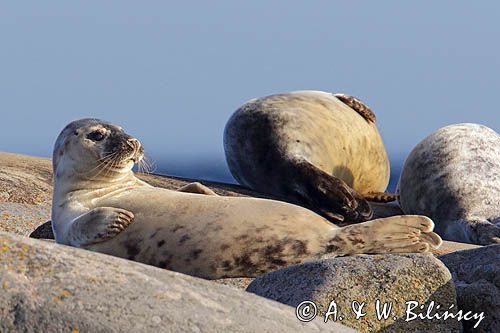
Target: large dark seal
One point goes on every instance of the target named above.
(100, 205)
(316, 149)
(453, 176)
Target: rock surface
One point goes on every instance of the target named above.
(476, 274)
(22, 219)
(388, 278)
(47, 287)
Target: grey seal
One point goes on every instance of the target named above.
(453, 176)
(316, 149)
(99, 205)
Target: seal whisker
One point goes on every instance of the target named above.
(146, 165)
(98, 167)
(107, 157)
(103, 167)
(102, 161)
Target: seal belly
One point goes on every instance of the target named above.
(212, 236)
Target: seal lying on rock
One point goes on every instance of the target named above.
(99, 204)
(453, 176)
(316, 149)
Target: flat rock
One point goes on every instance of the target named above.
(238, 283)
(25, 179)
(46, 287)
(476, 273)
(22, 218)
(393, 278)
(449, 247)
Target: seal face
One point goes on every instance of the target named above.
(453, 176)
(100, 205)
(312, 148)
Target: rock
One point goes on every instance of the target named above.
(21, 218)
(46, 287)
(25, 179)
(388, 278)
(449, 247)
(476, 274)
(238, 283)
(25, 192)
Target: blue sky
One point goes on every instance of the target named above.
(172, 73)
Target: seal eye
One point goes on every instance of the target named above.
(95, 136)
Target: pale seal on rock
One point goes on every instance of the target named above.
(99, 205)
(453, 176)
(316, 149)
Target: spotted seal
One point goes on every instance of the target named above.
(99, 205)
(453, 176)
(316, 149)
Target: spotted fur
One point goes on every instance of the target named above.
(453, 176)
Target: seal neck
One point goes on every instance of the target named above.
(67, 183)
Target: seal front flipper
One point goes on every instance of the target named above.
(381, 197)
(357, 106)
(327, 195)
(98, 225)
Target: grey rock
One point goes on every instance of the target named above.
(238, 283)
(476, 274)
(22, 218)
(46, 287)
(388, 278)
(25, 179)
(449, 247)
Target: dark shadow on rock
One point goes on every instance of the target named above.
(476, 273)
(402, 324)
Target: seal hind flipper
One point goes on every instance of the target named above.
(381, 197)
(357, 106)
(196, 188)
(327, 195)
(395, 234)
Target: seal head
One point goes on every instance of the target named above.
(86, 142)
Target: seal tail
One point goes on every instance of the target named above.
(327, 195)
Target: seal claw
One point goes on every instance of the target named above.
(358, 106)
